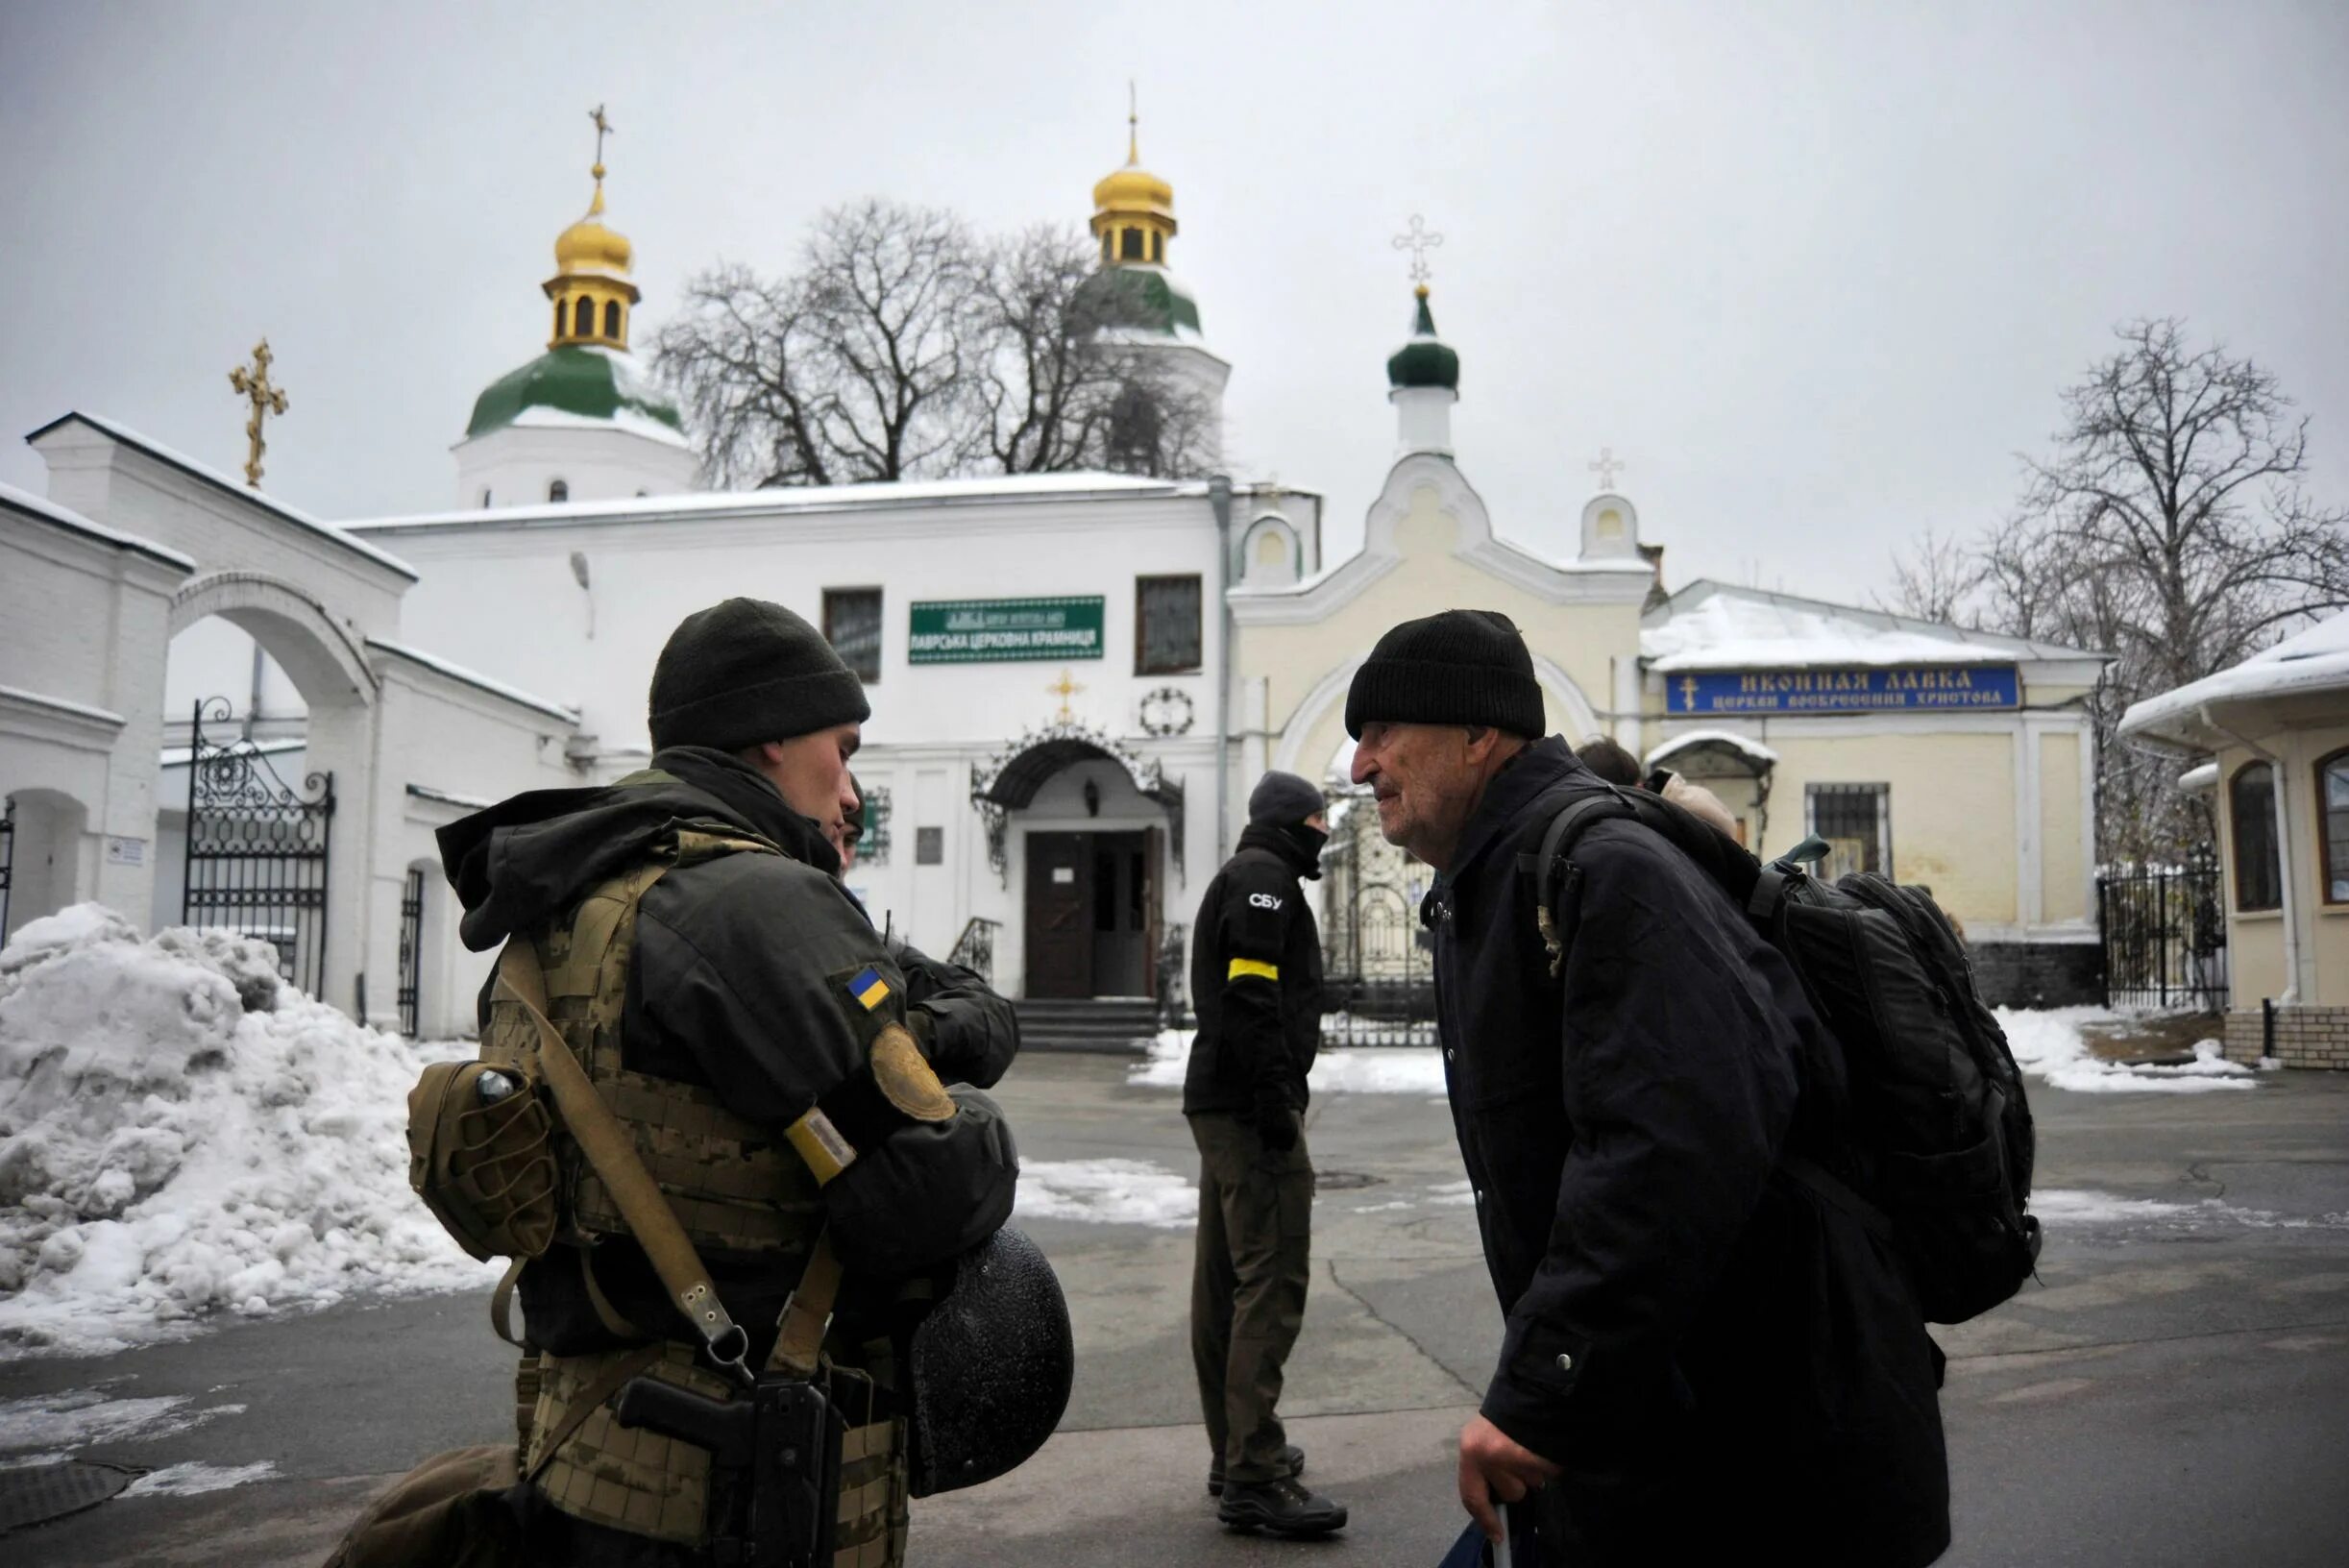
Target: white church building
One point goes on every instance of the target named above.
(1074, 678)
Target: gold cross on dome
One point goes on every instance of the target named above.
(603, 129)
(1607, 467)
(1419, 240)
(1064, 688)
(266, 399)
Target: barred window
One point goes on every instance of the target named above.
(2333, 824)
(852, 625)
(1165, 625)
(873, 849)
(2251, 801)
(1856, 820)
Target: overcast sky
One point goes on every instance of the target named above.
(1816, 273)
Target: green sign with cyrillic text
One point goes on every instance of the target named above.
(989, 630)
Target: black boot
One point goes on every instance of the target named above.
(1283, 1508)
(1292, 1461)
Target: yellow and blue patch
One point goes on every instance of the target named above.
(868, 987)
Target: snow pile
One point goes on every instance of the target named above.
(2048, 1045)
(1380, 1070)
(1106, 1192)
(181, 1132)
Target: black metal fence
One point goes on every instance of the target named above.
(975, 948)
(2165, 936)
(411, 950)
(1379, 967)
(8, 859)
(257, 848)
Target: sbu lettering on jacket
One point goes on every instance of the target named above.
(1264, 900)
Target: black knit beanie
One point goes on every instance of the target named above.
(745, 672)
(1280, 800)
(1462, 667)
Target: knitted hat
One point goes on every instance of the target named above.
(747, 672)
(1280, 800)
(1462, 667)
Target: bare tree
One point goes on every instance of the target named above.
(2169, 529)
(904, 347)
(1938, 581)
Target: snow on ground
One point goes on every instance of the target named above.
(81, 1418)
(2048, 1045)
(195, 1477)
(1106, 1192)
(2062, 1208)
(1378, 1069)
(183, 1135)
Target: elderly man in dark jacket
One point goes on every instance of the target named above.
(1701, 1361)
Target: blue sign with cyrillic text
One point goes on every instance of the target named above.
(1957, 688)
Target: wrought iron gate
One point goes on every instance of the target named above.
(412, 949)
(2165, 936)
(1379, 970)
(8, 859)
(257, 848)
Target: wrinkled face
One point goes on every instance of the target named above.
(811, 773)
(1426, 779)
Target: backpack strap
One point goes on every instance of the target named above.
(1550, 862)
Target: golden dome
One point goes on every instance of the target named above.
(1134, 189)
(1134, 208)
(587, 246)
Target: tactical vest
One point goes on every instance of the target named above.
(736, 1187)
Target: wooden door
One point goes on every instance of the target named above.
(1060, 916)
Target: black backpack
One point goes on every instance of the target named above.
(1939, 1129)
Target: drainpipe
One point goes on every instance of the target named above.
(2284, 853)
(1219, 498)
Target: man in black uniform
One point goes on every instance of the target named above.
(1256, 979)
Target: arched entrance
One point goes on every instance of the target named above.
(249, 832)
(44, 835)
(1096, 828)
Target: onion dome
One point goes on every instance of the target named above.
(1426, 361)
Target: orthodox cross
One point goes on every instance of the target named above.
(1607, 467)
(1134, 125)
(1064, 688)
(266, 399)
(1419, 241)
(603, 129)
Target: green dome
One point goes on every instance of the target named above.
(576, 383)
(1138, 297)
(1426, 361)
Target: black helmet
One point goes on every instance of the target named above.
(991, 1366)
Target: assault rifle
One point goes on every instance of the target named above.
(782, 1441)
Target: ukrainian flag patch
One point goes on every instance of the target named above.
(868, 987)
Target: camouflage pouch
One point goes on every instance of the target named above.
(482, 1156)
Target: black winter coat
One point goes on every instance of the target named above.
(1255, 981)
(1720, 1365)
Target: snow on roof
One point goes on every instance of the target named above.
(444, 797)
(2204, 777)
(2309, 661)
(220, 482)
(828, 498)
(1753, 749)
(64, 516)
(538, 416)
(1711, 625)
(473, 678)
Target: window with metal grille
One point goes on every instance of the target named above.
(1856, 820)
(411, 950)
(872, 850)
(2251, 801)
(929, 846)
(1165, 625)
(852, 625)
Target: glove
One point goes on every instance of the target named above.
(1276, 1123)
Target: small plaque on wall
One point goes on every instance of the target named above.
(929, 846)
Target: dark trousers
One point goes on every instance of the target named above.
(1247, 1303)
